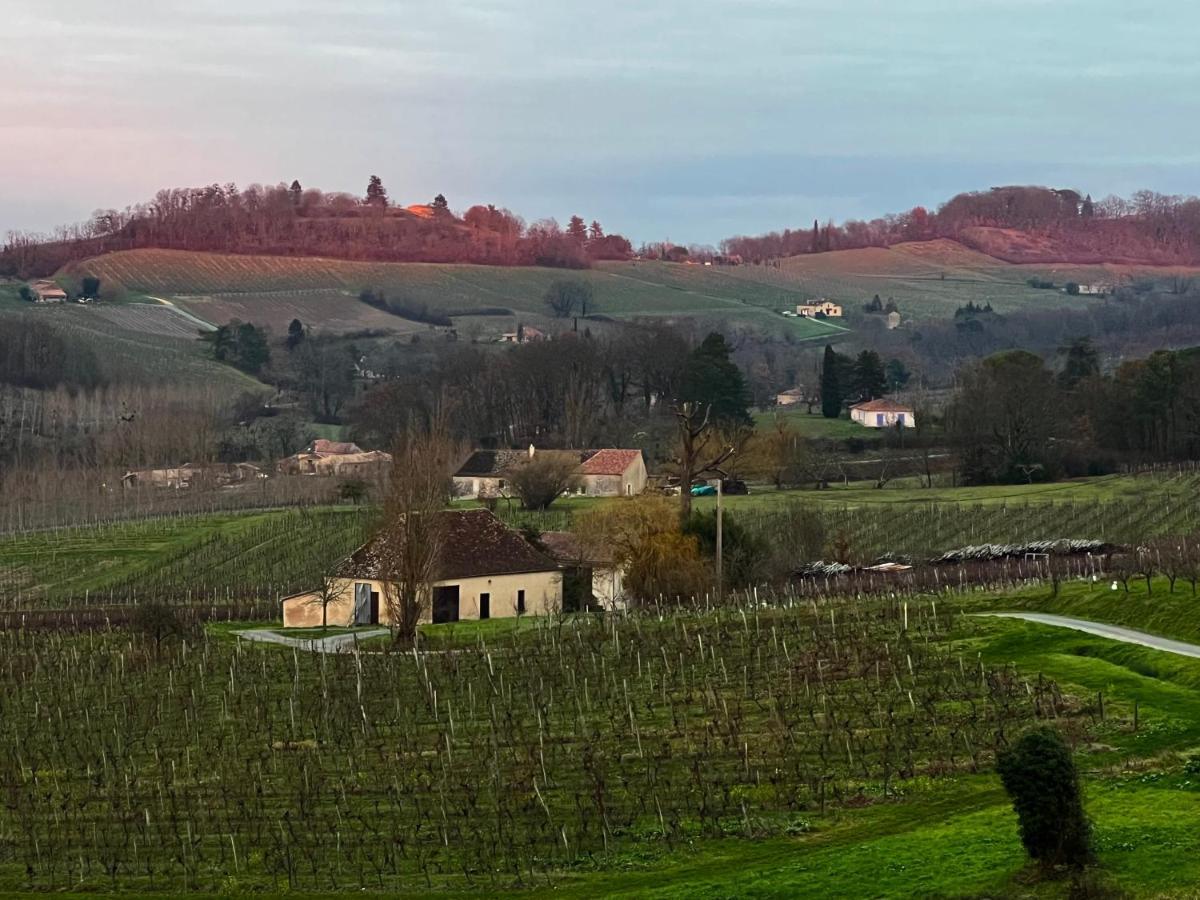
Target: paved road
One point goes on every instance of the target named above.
(335, 643)
(1114, 632)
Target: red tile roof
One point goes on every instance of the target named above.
(882, 406)
(321, 447)
(609, 462)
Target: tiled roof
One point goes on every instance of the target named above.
(474, 544)
(882, 406)
(569, 550)
(491, 462)
(609, 462)
(335, 448)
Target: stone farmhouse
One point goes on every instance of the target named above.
(485, 570)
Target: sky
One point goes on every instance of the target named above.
(664, 120)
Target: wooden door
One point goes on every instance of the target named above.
(445, 604)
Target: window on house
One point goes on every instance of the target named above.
(520, 602)
(879, 418)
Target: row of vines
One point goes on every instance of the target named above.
(221, 766)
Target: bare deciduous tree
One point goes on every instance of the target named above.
(409, 542)
(332, 591)
(701, 450)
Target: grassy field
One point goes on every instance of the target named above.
(324, 292)
(797, 419)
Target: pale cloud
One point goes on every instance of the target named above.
(693, 120)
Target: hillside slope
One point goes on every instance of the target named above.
(324, 292)
(931, 279)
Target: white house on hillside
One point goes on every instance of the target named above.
(883, 414)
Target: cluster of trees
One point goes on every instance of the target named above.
(242, 344)
(875, 306)
(851, 379)
(1147, 227)
(35, 355)
(1013, 419)
(577, 390)
(1134, 321)
(291, 220)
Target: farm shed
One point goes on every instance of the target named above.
(613, 473)
(47, 292)
(883, 414)
(592, 579)
(484, 570)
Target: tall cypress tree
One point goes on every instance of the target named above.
(832, 392)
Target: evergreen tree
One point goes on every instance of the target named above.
(897, 374)
(376, 193)
(577, 230)
(1083, 361)
(595, 232)
(891, 306)
(440, 202)
(816, 237)
(870, 380)
(297, 192)
(832, 392)
(712, 378)
(295, 333)
(253, 351)
(1039, 775)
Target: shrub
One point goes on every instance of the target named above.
(1039, 775)
(540, 480)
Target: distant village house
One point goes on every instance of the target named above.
(883, 414)
(602, 473)
(820, 307)
(525, 334)
(334, 458)
(45, 291)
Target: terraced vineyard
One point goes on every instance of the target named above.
(198, 281)
(139, 343)
(248, 561)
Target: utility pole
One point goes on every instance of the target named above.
(720, 542)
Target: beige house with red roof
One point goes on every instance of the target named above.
(613, 473)
(485, 570)
(883, 414)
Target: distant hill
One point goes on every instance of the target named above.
(291, 221)
(931, 279)
(1018, 224)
